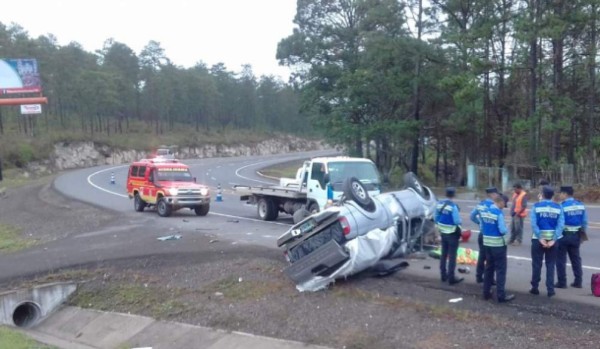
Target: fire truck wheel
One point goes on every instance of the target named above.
(138, 203)
(202, 210)
(163, 208)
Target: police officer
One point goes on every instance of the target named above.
(448, 221)
(575, 224)
(475, 216)
(547, 222)
(494, 230)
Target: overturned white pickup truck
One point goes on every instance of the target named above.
(359, 233)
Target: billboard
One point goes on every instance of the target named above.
(19, 76)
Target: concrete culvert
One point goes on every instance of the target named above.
(26, 314)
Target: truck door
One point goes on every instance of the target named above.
(316, 184)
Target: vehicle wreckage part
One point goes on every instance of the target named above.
(364, 252)
(332, 232)
(356, 191)
(324, 260)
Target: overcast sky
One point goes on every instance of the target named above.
(234, 32)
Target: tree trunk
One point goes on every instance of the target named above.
(414, 164)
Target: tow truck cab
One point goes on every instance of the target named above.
(166, 184)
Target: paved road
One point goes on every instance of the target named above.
(93, 186)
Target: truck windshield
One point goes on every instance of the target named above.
(364, 171)
(174, 174)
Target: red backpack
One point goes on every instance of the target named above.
(596, 284)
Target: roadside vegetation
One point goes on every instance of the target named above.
(12, 339)
(11, 239)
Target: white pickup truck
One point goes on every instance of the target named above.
(308, 191)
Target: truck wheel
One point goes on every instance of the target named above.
(138, 203)
(202, 210)
(299, 215)
(411, 181)
(356, 191)
(163, 208)
(313, 208)
(267, 211)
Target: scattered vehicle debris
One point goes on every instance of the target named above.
(358, 233)
(170, 237)
(455, 300)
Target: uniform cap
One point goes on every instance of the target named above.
(450, 192)
(548, 191)
(491, 190)
(517, 186)
(567, 189)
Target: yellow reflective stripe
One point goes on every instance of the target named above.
(547, 210)
(446, 228)
(547, 234)
(572, 227)
(494, 241)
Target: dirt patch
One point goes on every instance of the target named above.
(242, 288)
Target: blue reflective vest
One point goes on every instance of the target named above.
(482, 206)
(547, 220)
(493, 227)
(446, 216)
(575, 215)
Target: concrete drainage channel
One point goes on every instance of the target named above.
(28, 307)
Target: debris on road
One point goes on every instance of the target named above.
(464, 270)
(169, 237)
(213, 241)
(233, 221)
(455, 300)
(426, 267)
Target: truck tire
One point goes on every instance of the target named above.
(202, 210)
(163, 208)
(411, 181)
(313, 208)
(299, 215)
(267, 211)
(138, 203)
(356, 191)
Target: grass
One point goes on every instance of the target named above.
(11, 239)
(286, 169)
(11, 339)
(157, 302)
(234, 290)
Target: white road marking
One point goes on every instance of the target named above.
(518, 258)
(237, 172)
(248, 219)
(89, 180)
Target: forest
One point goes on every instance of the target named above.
(422, 85)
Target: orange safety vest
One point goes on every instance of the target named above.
(518, 204)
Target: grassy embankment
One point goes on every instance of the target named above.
(11, 339)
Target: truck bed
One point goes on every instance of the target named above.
(277, 191)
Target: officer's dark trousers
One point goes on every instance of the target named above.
(449, 248)
(495, 262)
(538, 255)
(480, 259)
(569, 244)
